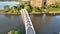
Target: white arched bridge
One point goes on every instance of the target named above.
(27, 21)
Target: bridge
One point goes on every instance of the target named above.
(27, 21)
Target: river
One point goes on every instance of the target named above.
(43, 24)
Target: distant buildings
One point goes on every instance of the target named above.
(41, 3)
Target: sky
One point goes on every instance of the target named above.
(13, 0)
(2, 4)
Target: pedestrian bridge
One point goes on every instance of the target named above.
(27, 21)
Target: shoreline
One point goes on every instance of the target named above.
(34, 13)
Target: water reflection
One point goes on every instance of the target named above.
(36, 20)
(10, 22)
(46, 24)
(43, 24)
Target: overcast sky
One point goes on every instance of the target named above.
(14, 0)
(2, 4)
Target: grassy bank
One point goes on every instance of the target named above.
(54, 8)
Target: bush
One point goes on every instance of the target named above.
(56, 5)
(27, 7)
(38, 10)
(34, 10)
(14, 9)
(11, 32)
(18, 32)
(15, 32)
(42, 10)
(6, 8)
(21, 6)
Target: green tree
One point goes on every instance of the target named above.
(6, 8)
(27, 6)
(11, 32)
(15, 32)
(18, 32)
(14, 9)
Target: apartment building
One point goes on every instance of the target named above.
(41, 3)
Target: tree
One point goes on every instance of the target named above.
(27, 6)
(15, 32)
(14, 9)
(18, 32)
(6, 8)
(11, 32)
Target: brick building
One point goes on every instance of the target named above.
(41, 3)
(36, 3)
(48, 2)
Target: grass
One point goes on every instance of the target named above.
(53, 10)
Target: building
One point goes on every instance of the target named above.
(41, 3)
(48, 2)
(36, 3)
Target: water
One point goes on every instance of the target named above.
(43, 24)
(10, 22)
(46, 24)
(12, 3)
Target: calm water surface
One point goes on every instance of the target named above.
(43, 24)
